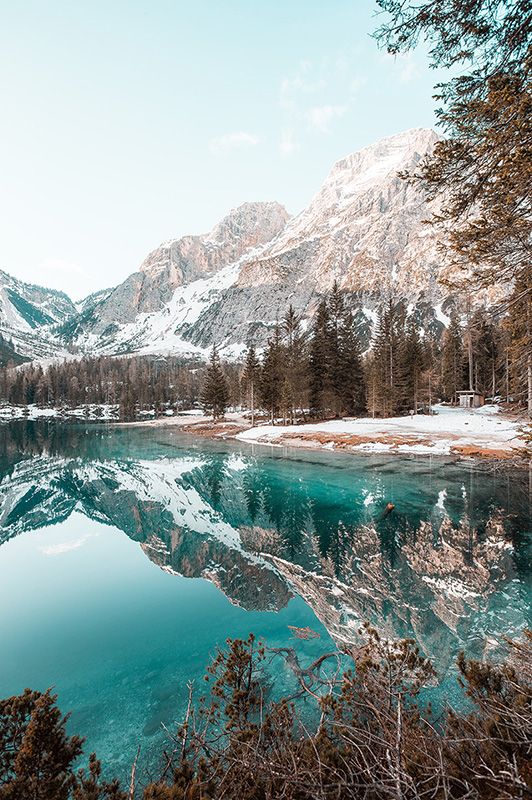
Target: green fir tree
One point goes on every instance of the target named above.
(272, 375)
(250, 379)
(215, 394)
(319, 367)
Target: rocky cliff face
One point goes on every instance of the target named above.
(144, 307)
(364, 229)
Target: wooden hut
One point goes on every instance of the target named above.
(469, 398)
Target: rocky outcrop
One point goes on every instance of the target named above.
(364, 229)
(178, 263)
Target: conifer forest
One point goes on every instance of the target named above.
(319, 373)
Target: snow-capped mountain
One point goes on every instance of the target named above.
(175, 283)
(28, 315)
(364, 228)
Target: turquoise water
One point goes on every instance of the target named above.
(128, 554)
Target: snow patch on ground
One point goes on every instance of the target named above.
(435, 434)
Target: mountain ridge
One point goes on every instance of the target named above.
(364, 228)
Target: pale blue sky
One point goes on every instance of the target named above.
(127, 123)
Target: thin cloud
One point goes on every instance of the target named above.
(291, 88)
(321, 117)
(357, 83)
(404, 68)
(316, 95)
(287, 145)
(233, 141)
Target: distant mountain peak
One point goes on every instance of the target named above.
(263, 218)
(390, 149)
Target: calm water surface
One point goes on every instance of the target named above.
(128, 554)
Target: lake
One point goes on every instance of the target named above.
(128, 554)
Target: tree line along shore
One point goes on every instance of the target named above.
(300, 375)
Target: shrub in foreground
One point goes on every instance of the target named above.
(355, 726)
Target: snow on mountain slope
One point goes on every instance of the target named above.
(364, 228)
(28, 314)
(122, 321)
(158, 332)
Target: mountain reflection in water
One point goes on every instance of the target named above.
(449, 566)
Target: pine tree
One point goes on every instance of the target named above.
(319, 368)
(486, 354)
(452, 359)
(272, 375)
(127, 404)
(250, 378)
(215, 393)
(432, 368)
(296, 360)
(413, 364)
(482, 170)
(286, 401)
(39, 761)
(520, 347)
(389, 362)
(336, 374)
(371, 375)
(351, 389)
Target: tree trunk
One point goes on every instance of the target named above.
(252, 407)
(469, 344)
(529, 363)
(470, 357)
(529, 383)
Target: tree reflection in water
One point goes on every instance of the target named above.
(451, 559)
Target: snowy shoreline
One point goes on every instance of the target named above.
(479, 433)
(482, 433)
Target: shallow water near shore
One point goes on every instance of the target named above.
(128, 554)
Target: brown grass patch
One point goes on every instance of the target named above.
(213, 429)
(343, 440)
(478, 451)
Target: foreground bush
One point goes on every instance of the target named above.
(371, 735)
